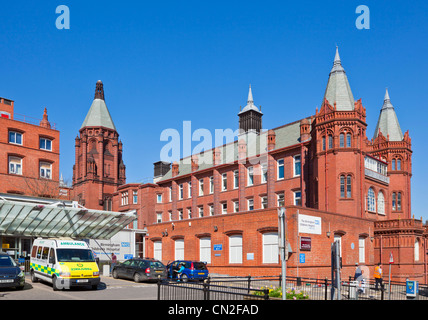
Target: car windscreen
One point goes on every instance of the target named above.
(199, 266)
(6, 261)
(74, 255)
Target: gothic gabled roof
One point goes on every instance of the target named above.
(98, 115)
(388, 121)
(338, 90)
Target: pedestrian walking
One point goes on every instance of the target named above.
(378, 276)
(113, 261)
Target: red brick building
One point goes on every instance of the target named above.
(220, 206)
(29, 154)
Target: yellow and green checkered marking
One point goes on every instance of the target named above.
(47, 270)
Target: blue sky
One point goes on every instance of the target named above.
(166, 62)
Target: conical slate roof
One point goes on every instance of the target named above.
(338, 90)
(388, 121)
(98, 115)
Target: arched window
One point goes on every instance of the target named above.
(323, 143)
(348, 140)
(393, 164)
(330, 141)
(348, 187)
(380, 203)
(342, 186)
(371, 200)
(342, 140)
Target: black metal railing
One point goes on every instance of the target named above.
(267, 287)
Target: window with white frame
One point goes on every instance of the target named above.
(381, 203)
(235, 248)
(224, 184)
(280, 169)
(264, 201)
(189, 213)
(417, 249)
(362, 249)
(236, 206)
(224, 208)
(159, 198)
(45, 144)
(338, 237)
(250, 204)
(46, 170)
(211, 206)
(201, 187)
(236, 179)
(371, 200)
(297, 165)
(211, 184)
(170, 194)
(15, 165)
(205, 249)
(297, 198)
(280, 199)
(159, 217)
(270, 247)
(157, 250)
(124, 198)
(170, 215)
(179, 249)
(134, 196)
(201, 212)
(264, 172)
(180, 192)
(180, 214)
(189, 189)
(250, 176)
(15, 137)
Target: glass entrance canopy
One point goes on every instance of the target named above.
(22, 216)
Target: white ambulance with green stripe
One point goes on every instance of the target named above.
(64, 263)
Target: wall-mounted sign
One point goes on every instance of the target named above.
(309, 224)
(218, 247)
(305, 244)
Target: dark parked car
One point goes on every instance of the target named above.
(193, 270)
(140, 269)
(10, 274)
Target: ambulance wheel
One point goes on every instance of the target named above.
(54, 284)
(33, 277)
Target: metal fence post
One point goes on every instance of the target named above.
(266, 291)
(249, 283)
(326, 289)
(159, 285)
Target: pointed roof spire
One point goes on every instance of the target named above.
(250, 96)
(338, 90)
(388, 121)
(250, 103)
(98, 115)
(45, 122)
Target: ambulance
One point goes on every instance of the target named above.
(64, 263)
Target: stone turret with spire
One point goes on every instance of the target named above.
(99, 169)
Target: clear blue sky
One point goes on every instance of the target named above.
(166, 62)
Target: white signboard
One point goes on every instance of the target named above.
(122, 244)
(309, 224)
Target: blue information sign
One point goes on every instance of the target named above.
(218, 247)
(302, 258)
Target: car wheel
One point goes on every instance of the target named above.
(184, 278)
(33, 277)
(114, 274)
(137, 277)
